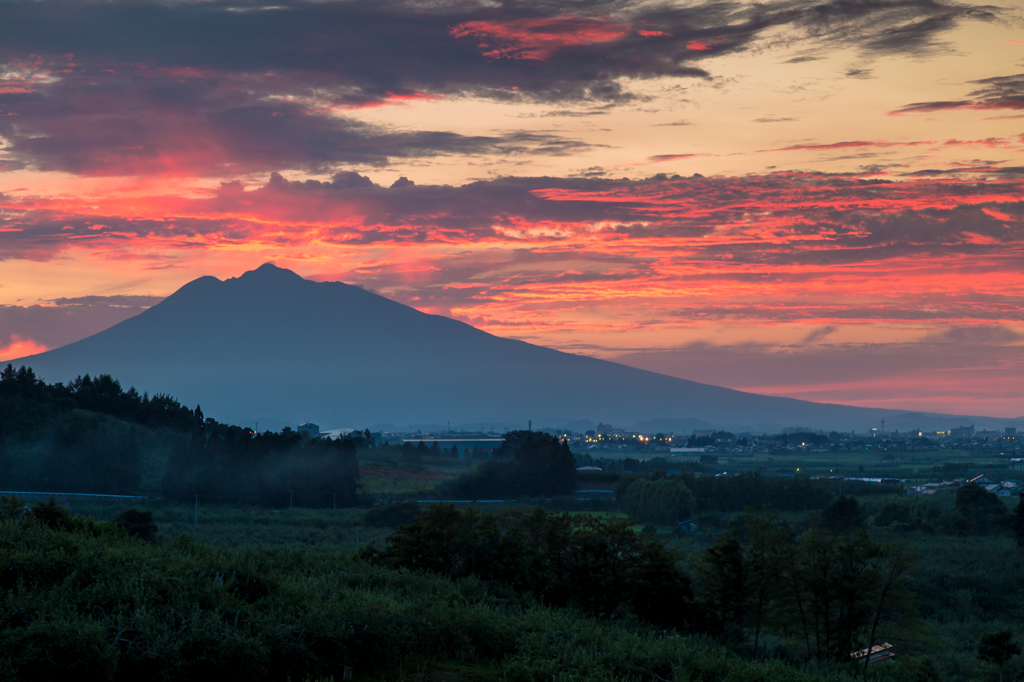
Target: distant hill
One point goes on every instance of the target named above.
(272, 345)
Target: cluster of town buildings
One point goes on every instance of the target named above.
(963, 438)
(1010, 487)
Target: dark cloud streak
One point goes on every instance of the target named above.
(194, 88)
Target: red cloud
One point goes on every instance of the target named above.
(19, 348)
(538, 39)
(660, 253)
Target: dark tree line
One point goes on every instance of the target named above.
(528, 463)
(85, 437)
(79, 437)
(751, 489)
(271, 469)
(976, 511)
(29, 404)
(659, 498)
(834, 593)
(602, 568)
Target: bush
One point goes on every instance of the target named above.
(392, 515)
(138, 524)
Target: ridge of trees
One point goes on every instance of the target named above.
(27, 403)
(85, 437)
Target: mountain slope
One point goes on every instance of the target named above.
(271, 344)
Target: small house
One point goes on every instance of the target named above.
(875, 654)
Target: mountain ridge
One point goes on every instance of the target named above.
(270, 343)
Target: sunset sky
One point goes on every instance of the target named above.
(818, 199)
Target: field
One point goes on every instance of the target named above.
(916, 466)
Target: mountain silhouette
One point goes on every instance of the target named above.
(272, 345)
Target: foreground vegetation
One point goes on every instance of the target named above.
(81, 599)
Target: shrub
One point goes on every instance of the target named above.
(138, 524)
(392, 515)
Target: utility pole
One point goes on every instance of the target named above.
(335, 496)
(357, 538)
(196, 517)
(290, 498)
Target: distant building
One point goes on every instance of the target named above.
(934, 488)
(309, 430)
(962, 431)
(1004, 489)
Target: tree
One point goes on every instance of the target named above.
(528, 463)
(893, 604)
(1018, 523)
(769, 539)
(723, 586)
(655, 498)
(998, 648)
(983, 511)
(842, 515)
